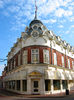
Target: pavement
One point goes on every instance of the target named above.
(7, 94)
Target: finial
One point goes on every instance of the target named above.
(35, 10)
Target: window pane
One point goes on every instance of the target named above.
(56, 84)
(64, 84)
(18, 59)
(46, 56)
(55, 59)
(63, 61)
(25, 54)
(35, 56)
(47, 85)
(18, 84)
(24, 85)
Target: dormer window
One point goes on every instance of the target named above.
(35, 27)
(59, 38)
(64, 42)
(51, 33)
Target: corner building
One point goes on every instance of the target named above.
(39, 62)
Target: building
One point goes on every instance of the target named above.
(39, 62)
(0, 81)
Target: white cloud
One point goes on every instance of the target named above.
(72, 18)
(14, 9)
(53, 20)
(72, 26)
(60, 26)
(26, 9)
(67, 32)
(61, 12)
(49, 21)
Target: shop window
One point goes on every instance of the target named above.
(47, 85)
(18, 84)
(24, 85)
(64, 84)
(46, 56)
(13, 84)
(56, 84)
(55, 59)
(35, 56)
(25, 55)
(10, 84)
(63, 61)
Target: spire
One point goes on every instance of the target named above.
(35, 10)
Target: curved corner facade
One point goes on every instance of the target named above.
(39, 63)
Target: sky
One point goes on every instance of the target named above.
(15, 15)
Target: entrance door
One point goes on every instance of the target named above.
(35, 86)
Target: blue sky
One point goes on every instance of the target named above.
(57, 15)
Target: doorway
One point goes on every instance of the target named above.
(35, 86)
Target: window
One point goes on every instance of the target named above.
(35, 56)
(69, 63)
(13, 84)
(10, 84)
(14, 62)
(18, 59)
(64, 84)
(11, 65)
(25, 55)
(18, 84)
(56, 84)
(46, 56)
(24, 85)
(47, 85)
(63, 61)
(73, 64)
(55, 59)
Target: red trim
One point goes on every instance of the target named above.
(59, 56)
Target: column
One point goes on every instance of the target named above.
(42, 86)
(51, 86)
(29, 86)
(21, 86)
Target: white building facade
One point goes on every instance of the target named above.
(40, 62)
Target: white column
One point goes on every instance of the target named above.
(29, 86)
(51, 86)
(42, 86)
(21, 86)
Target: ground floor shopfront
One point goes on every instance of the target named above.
(35, 83)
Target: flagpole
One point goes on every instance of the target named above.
(35, 10)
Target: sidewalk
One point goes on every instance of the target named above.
(58, 95)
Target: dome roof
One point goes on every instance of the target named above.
(35, 22)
